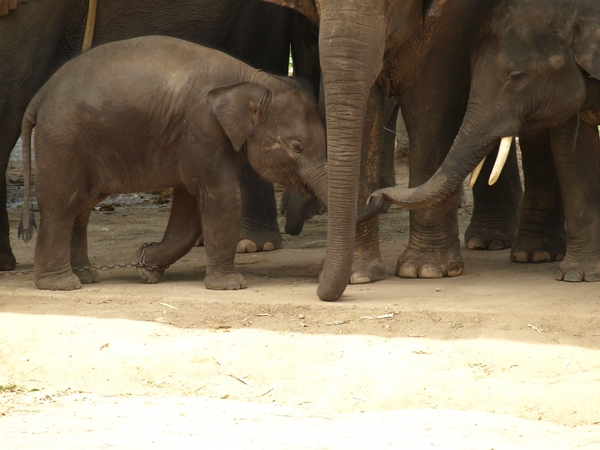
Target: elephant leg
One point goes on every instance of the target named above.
(542, 235)
(52, 256)
(387, 172)
(433, 249)
(495, 219)
(576, 149)
(367, 265)
(79, 249)
(221, 215)
(182, 232)
(259, 230)
(7, 258)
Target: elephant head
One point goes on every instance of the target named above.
(353, 38)
(533, 68)
(279, 129)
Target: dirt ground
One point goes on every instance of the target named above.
(501, 357)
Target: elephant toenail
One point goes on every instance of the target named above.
(357, 278)
(496, 245)
(430, 271)
(475, 244)
(540, 257)
(573, 277)
(455, 269)
(407, 270)
(592, 276)
(521, 256)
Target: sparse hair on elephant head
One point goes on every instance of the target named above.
(240, 108)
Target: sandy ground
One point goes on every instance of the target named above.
(501, 357)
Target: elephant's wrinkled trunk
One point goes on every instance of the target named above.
(296, 212)
(317, 179)
(351, 45)
(470, 147)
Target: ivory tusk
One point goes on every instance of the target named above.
(475, 173)
(501, 159)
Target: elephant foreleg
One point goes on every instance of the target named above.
(367, 265)
(496, 208)
(221, 215)
(576, 149)
(542, 235)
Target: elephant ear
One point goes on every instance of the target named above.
(307, 8)
(586, 44)
(240, 109)
(433, 8)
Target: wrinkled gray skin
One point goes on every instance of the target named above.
(536, 73)
(39, 36)
(157, 112)
(419, 51)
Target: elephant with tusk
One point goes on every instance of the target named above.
(536, 74)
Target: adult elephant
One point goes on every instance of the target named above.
(39, 36)
(544, 81)
(419, 51)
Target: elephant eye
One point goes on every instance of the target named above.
(516, 75)
(297, 146)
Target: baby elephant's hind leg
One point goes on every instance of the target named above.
(51, 260)
(79, 250)
(182, 232)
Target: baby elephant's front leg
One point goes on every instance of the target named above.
(221, 225)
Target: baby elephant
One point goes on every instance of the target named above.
(152, 113)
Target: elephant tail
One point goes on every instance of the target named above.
(27, 224)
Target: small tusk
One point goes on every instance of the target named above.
(475, 173)
(501, 159)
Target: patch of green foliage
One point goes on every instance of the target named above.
(10, 388)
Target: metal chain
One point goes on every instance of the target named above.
(140, 263)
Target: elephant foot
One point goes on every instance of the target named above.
(7, 260)
(538, 249)
(150, 276)
(87, 276)
(147, 272)
(57, 281)
(483, 236)
(418, 264)
(366, 271)
(577, 271)
(255, 241)
(231, 281)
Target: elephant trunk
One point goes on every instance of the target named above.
(351, 45)
(296, 212)
(468, 151)
(317, 179)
